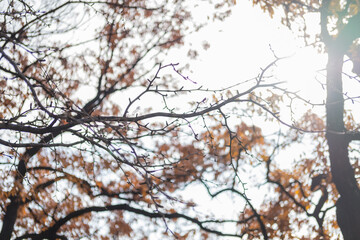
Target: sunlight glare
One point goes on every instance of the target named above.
(302, 72)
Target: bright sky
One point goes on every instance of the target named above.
(239, 48)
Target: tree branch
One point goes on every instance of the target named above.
(52, 231)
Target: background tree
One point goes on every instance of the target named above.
(339, 34)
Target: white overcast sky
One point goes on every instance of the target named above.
(239, 47)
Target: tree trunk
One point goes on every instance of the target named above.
(9, 219)
(348, 205)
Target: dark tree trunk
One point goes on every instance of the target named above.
(348, 206)
(9, 219)
(11, 210)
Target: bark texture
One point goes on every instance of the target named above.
(348, 205)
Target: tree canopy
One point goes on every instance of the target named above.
(102, 138)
